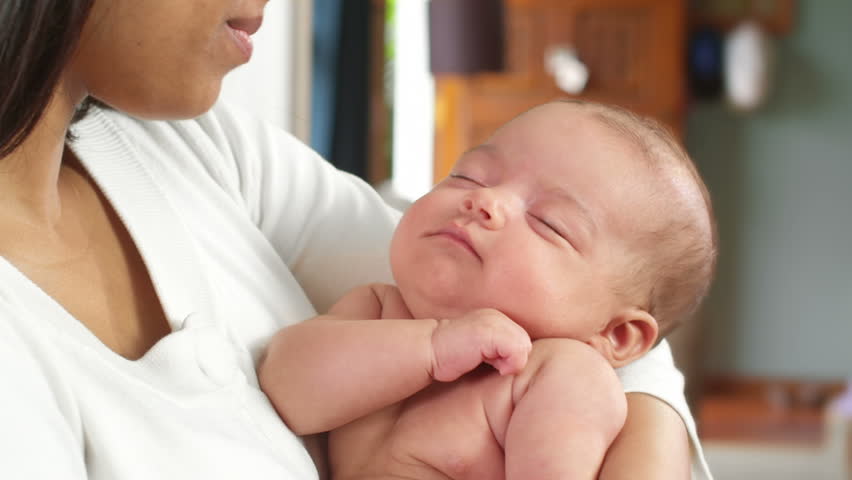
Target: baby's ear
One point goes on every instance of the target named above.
(626, 337)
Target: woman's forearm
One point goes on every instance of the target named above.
(653, 443)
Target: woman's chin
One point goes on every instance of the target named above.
(165, 107)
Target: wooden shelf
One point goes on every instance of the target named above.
(777, 16)
(761, 410)
(634, 50)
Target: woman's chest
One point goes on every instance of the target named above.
(97, 275)
(114, 301)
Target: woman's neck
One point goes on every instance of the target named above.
(30, 175)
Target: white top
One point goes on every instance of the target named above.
(243, 230)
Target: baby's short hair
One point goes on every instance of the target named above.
(673, 261)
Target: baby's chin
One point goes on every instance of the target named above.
(438, 288)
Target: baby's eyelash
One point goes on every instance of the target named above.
(549, 225)
(559, 233)
(463, 177)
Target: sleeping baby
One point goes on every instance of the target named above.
(563, 247)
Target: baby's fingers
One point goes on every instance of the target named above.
(512, 357)
(507, 366)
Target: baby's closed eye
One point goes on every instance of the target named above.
(461, 178)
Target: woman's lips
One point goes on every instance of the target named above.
(241, 30)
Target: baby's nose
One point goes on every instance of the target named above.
(485, 207)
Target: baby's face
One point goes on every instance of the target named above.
(529, 223)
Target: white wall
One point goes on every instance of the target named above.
(414, 99)
(275, 84)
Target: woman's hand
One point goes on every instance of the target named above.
(653, 443)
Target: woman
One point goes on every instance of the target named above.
(145, 262)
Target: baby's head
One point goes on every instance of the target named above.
(674, 249)
(576, 220)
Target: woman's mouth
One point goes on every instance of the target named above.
(241, 30)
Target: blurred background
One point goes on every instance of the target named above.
(760, 93)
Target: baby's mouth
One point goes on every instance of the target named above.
(460, 237)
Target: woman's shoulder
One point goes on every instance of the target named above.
(655, 374)
(656, 366)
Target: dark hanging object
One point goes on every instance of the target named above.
(465, 36)
(705, 63)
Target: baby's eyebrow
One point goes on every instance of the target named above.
(486, 149)
(485, 159)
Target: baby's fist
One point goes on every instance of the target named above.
(460, 344)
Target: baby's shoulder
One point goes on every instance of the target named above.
(371, 301)
(393, 305)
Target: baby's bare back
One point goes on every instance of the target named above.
(447, 431)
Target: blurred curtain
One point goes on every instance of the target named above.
(340, 85)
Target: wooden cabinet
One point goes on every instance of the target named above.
(634, 50)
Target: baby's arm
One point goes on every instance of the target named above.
(329, 370)
(569, 407)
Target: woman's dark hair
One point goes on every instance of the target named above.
(37, 39)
